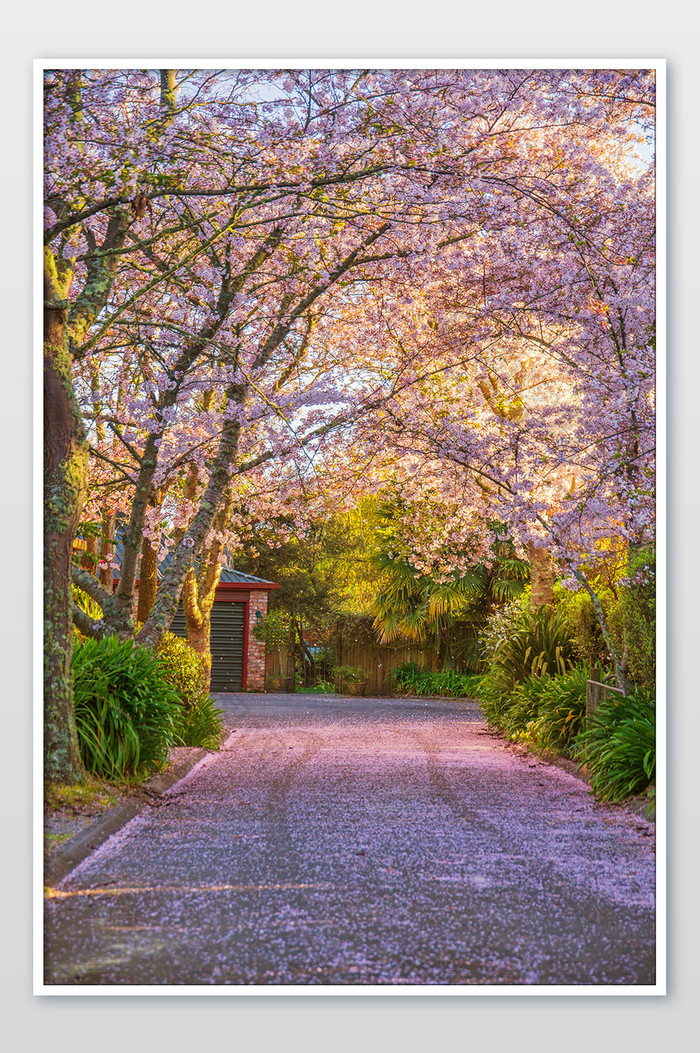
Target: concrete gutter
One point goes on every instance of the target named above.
(80, 845)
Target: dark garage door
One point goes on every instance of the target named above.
(227, 628)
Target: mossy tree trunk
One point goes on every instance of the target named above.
(148, 580)
(65, 473)
(199, 590)
(148, 568)
(65, 481)
(184, 555)
(67, 324)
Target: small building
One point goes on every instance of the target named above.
(237, 658)
(240, 600)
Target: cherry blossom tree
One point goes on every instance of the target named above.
(541, 402)
(232, 261)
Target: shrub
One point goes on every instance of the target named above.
(319, 687)
(182, 668)
(198, 723)
(448, 682)
(562, 711)
(584, 627)
(408, 676)
(521, 648)
(619, 746)
(636, 620)
(494, 693)
(126, 713)
(630, 610)
(537, 644)
(546, 712)
(348, 674)
(519, 707)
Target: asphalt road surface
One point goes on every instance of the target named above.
(340, 841)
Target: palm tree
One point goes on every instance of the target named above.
(448, 613)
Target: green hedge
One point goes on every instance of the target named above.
(125, 711)
(448, 682)
(619, 747)
(199, 722)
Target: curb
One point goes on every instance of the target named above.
(638, 805)
(79, 847)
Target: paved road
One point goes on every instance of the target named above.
(340, 841)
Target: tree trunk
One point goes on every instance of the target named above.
(199, 591)
(308, 664)
(197, 610)
(109, 524)
(65, 474)
(148, 580)
(148, 568)
(184, 555)
(541, 576)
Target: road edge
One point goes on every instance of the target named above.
(64, 859)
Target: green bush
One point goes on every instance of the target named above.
(407, 676)
(199, 722)
(547, 712)
(514, 709)
(126, 713)
(494, 693)
(538, 644)
(583, 626)
(630, 611)
(319, 687)
(562, 711)
(532, 690)
(348, 674)
(619, 746)
(182, 668)
(634, 627)
(448, 682)
(554, 711)
(520, 648)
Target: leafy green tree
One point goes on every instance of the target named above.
(427, 608)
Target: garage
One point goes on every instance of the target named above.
(240, 602)
(237, 658)
(228, 643)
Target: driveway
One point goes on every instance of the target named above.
(343, 841)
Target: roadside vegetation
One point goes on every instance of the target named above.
(533, 690)
(132, 704)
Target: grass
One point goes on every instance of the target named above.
(52, 841)
(88, 796)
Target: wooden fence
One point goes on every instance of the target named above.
(375, 661)
(596, 691)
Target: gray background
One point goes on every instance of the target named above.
(328, 1024)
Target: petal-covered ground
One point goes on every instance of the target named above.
(344, 841)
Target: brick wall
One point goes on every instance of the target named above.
(256, 648)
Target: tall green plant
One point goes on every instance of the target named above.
(182, 668)
(126, 713)
(198, 722)
(619, 746)
(522, 643)
(449, 683)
